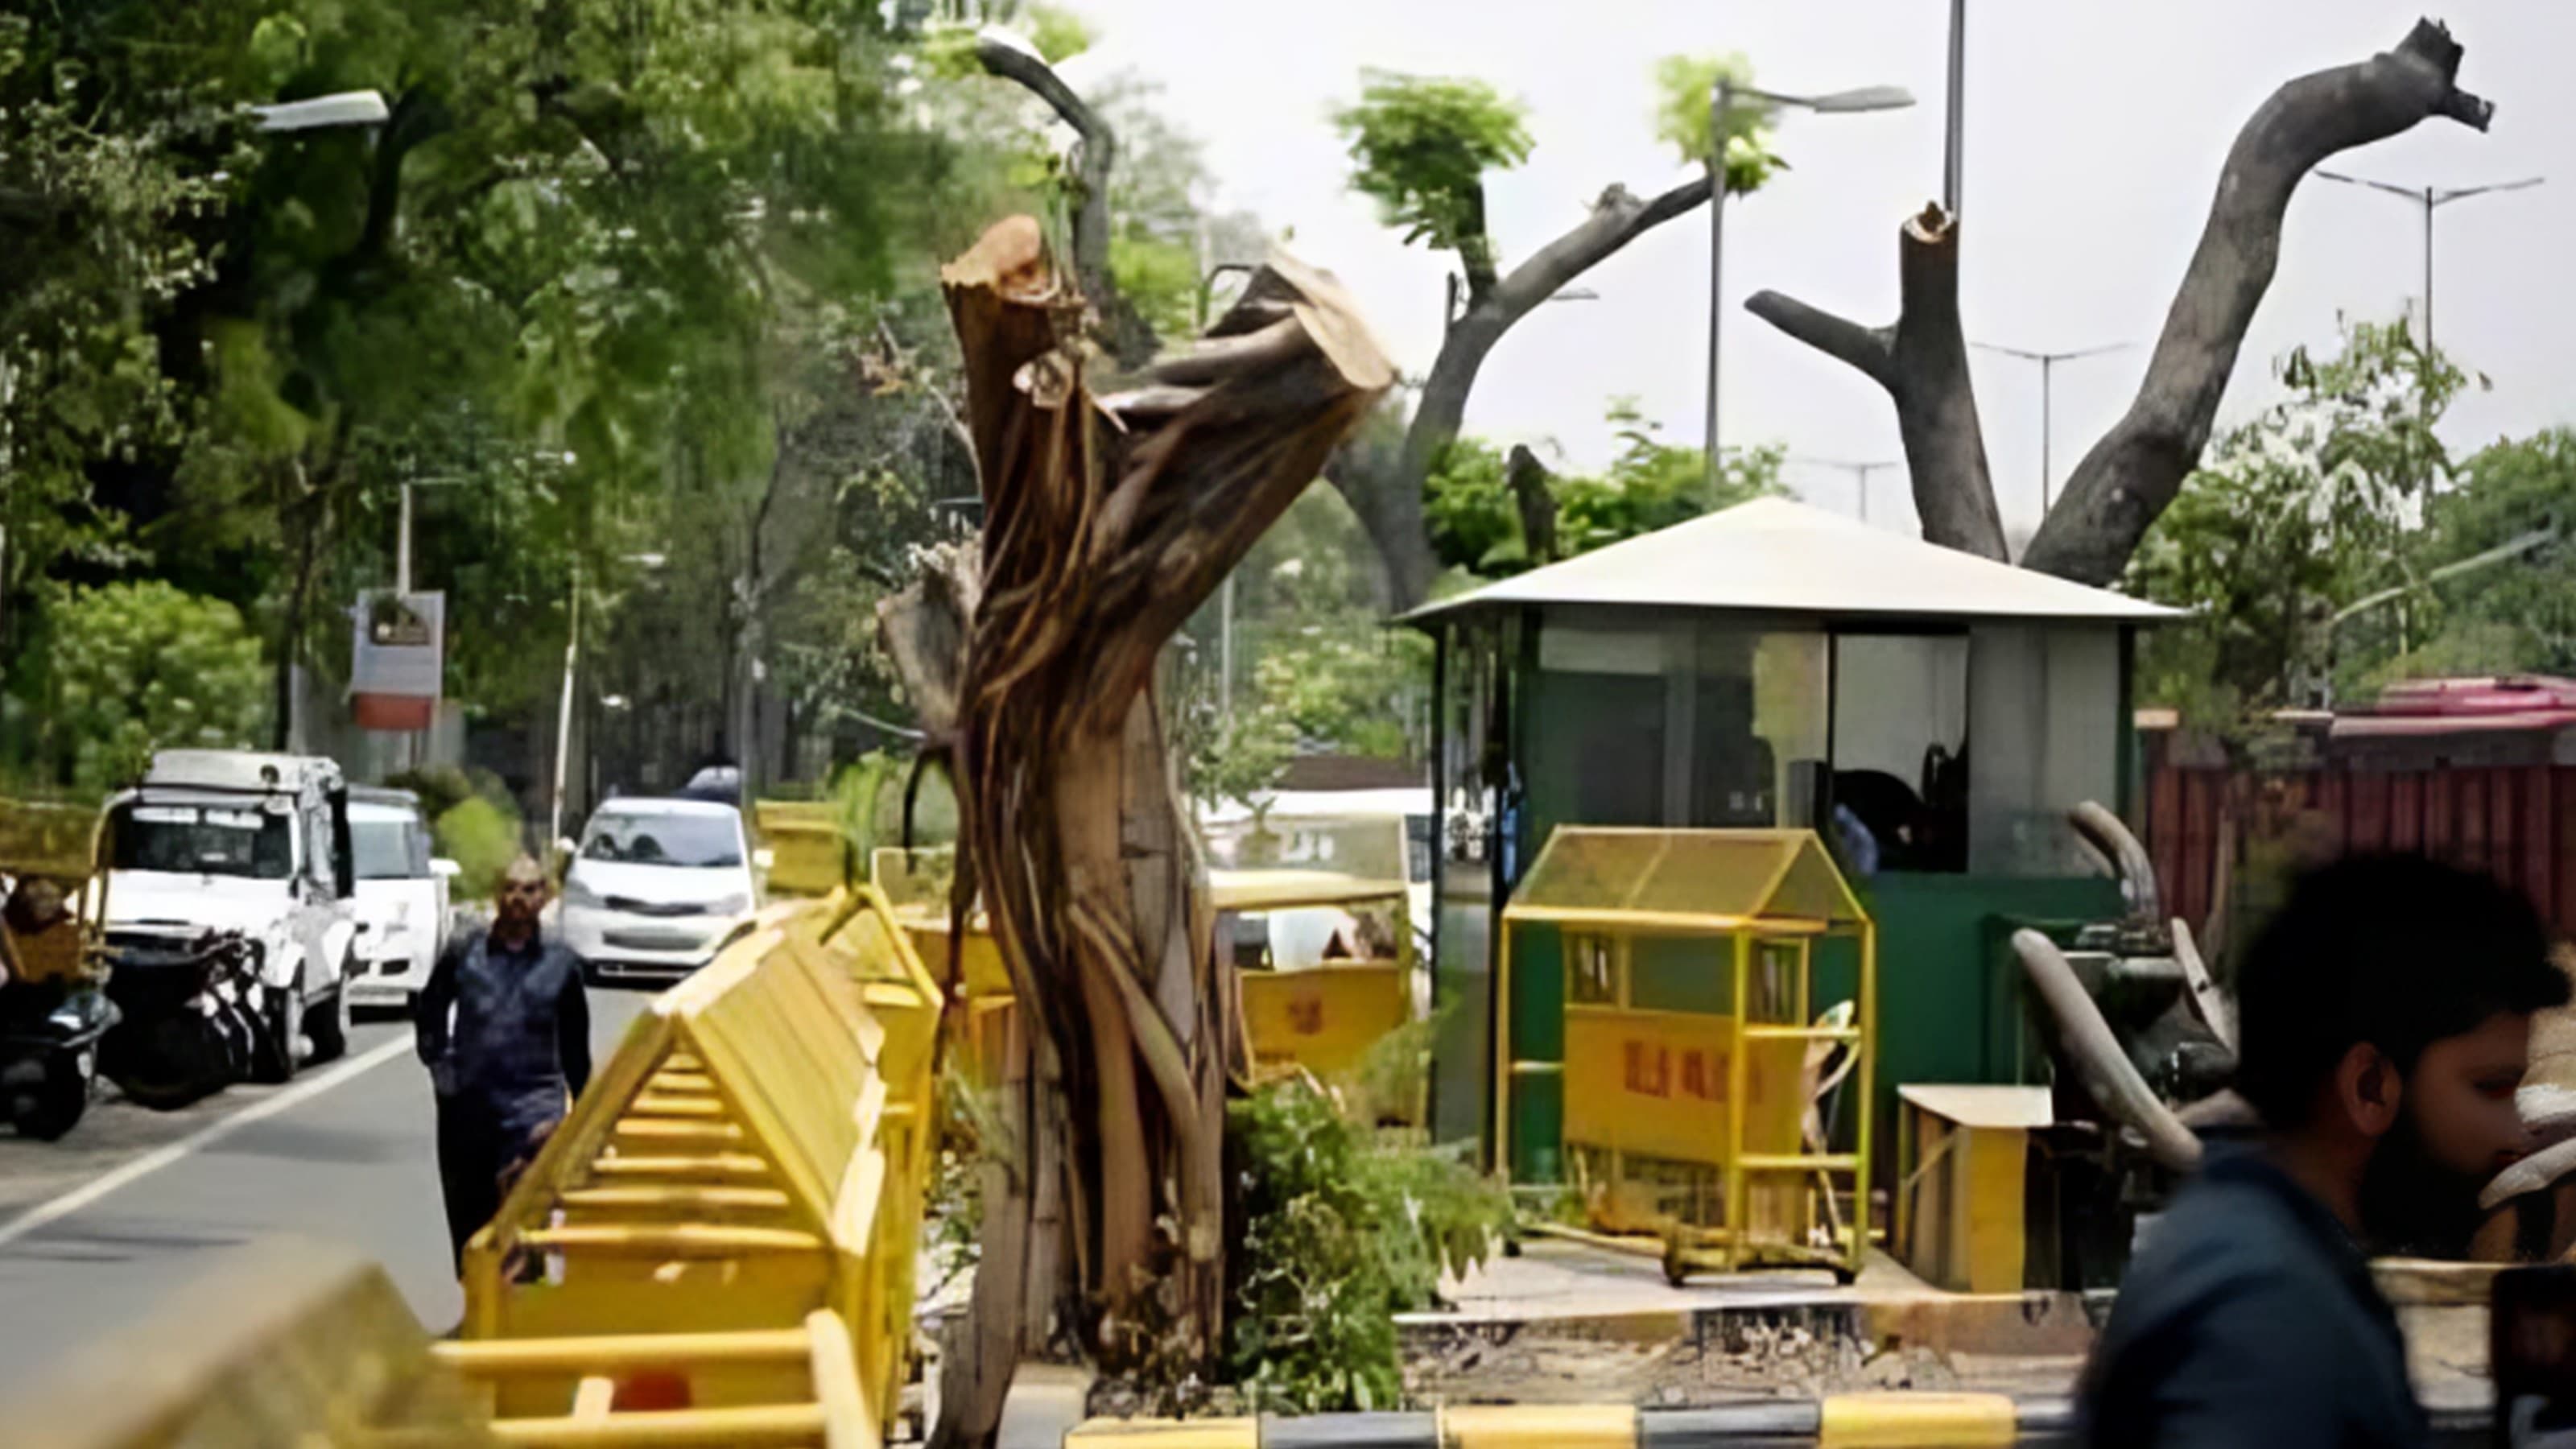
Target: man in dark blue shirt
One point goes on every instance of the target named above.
(515, 1054)
(2385, 1022)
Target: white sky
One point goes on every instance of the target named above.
(2094, 137)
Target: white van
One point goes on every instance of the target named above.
(657, 887)
(233, 840)
(402, 896)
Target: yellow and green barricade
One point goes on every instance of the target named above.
(808, 855)
(754, 1152)
(1678, 973)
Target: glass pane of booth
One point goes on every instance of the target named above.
(1900, 750)
(2043, 712)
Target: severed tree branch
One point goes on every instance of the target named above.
(2134, 471)
(1922, 361)
(1124, 332)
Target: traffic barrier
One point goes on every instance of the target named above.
(677, 1388)
(808, 855)
(1844, 1421)
(756, 1150)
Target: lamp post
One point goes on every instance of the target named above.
(2431, 199)
(331, 112)
(1722, 99)
(1860, 475)
(2047, 391)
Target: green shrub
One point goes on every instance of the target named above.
(140, 667)
(1343, 1227)
(482, 838)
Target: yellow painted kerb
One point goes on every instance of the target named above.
(1915, 1421)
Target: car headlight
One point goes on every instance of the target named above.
(578, 893)
(733, 905)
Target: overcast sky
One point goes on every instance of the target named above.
(2094, 137)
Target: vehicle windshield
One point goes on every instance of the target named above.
(388, 849)
(235, 840)
(637, 838)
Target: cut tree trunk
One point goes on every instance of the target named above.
(1922, 361)
(1107, 521)
(2133, 472)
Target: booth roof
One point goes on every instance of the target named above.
(1777, 556)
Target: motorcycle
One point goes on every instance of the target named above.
(188, 1020)
(54, 1010)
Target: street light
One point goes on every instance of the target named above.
(2431, 199)
(2047, 390)
(1722, 98)
(1860, 474)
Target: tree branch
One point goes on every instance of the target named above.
(1384, 485)
(1124, 332)
(2134, 471)
(1922, 361)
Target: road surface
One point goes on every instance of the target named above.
(99, 1228)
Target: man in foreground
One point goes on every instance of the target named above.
(2385, 1021)
(516, 1053)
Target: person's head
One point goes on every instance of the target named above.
(522, 895)
(2385, 1011)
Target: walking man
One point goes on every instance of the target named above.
(504, 1027)
(2385, 1015)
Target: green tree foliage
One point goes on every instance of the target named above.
(1420, 147)
(2498, 577)
(2298, 513)
(1317, 669)
(1683, 84)
(1476, 523)
(1343, 1228)
(138, 667)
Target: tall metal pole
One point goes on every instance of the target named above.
(2430, 202)
(563, 716)
(2047, 432)
(1953, 152)
(407, 750)
(1720, 101)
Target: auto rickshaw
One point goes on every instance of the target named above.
(53, 970)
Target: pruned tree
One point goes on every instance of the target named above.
(1422, 147)
(1107, 521)
(2128, 477)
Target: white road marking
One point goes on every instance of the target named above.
(161, 1157)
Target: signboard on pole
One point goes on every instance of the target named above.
(398, 658)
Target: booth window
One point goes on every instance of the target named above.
(1591, 970)
(1900, 787)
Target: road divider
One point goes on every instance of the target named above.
(753, 1153)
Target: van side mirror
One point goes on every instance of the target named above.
(445, 869)
(764, 858)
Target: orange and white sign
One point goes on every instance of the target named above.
(397, 663)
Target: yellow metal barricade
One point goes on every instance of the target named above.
(753, 1152)
(808, 855)
(1695, 1050)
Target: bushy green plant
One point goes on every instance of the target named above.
(144, 666)
(1343, 1227)
(482, 838)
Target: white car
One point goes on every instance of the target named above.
(402, 897)
(657, 887)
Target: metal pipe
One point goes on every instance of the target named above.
(2104, 1069)
(2111, 836)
